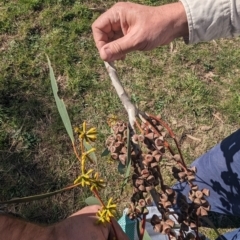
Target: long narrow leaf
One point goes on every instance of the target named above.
(60, 104)
(39, 196)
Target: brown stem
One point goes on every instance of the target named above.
(139, 127)
(103, 205)
(171, 134)
(143, 223)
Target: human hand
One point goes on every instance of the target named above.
(82, 225)
(128, 26)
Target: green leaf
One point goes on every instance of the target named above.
(92, 155)
(128, 162)
(60, 104)
(39, 196)
(92, 201)
(105, 152)
(121, 168)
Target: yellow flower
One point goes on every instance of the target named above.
(88, 135)
(107, 212)
(84, 179)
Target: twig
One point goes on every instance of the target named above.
(129, 106)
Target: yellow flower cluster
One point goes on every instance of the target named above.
(107, 212)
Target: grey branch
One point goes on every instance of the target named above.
(129, 106)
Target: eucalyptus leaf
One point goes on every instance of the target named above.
(92, 201)
(88, 146)
(105, 152)
(60, 104)
(121, 168)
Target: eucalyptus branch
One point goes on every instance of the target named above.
(129, 106)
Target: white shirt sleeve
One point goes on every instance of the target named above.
(212, 19)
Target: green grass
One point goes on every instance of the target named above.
(188, 85)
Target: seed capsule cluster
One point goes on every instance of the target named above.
(116, 143)
(147, 150)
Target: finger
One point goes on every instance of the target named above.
(105, 27)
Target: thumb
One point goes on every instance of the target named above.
(117, 49)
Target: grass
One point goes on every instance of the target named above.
(190, 86)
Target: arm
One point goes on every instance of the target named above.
(12, 228)
(212, 19)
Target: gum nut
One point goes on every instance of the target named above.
(135, 138)
(193, 225)
(150, 136)
(165, 228)
(144, 173)
(177, 157)
(191, 198)
(114, 156)
(199, 194)
(118, 145)
(203, 211)
(154, 122)
(194, 187)
(148, 158)
(141, 138)
(150, 178)
(170, 223)
(142, 203)
(154, 164)
(138, 209)
(139, 182)
(124, 150)
(158, 142)
(119, 137)
(155, 219)
(157, 228)
(115, 129)
(193, 169)
(113, 149)
(145, 163)
(158, 157)
(169, 191)
(142, 188)
(155, 152)
(192, 193)
(149, 188)
(163, 197)
(191, 178)
(206, 192)
(182, 175)
(197, 201)
(167, 204)
(123, 158)
(149, 201)
(145, 211)
(121, 129)
(135, 190)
